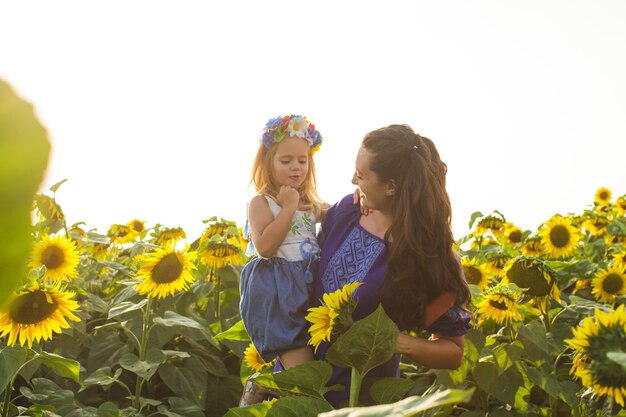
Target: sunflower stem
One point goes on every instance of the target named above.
(7, 399)
(545, 315)
(145, 334)
(218, 285)
(355, 387)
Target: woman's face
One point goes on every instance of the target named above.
(374, 193)
(290, 164)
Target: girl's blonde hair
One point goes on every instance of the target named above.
(262, 179)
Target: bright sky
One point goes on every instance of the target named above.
(154, 108)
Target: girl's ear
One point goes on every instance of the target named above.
(390, 188)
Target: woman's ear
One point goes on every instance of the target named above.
(390, 188)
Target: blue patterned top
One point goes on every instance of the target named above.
(350, 253)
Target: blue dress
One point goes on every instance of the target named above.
(276, 292)
(350, 253)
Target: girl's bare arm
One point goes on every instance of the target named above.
(267, 233)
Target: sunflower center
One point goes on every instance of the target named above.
(530, 277)
(604, 195)
(473, 275)
(559, 236)
(138, 227)
(32, 307)
(167, 270)
(515, 236)
(52, 257)
(613, 283)
(498, 305)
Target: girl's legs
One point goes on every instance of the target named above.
(254, 394)
(295, 357)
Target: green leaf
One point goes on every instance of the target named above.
(533, 333)
(126, 307)
(237, 332)
(48, 393)
(11, 359)
(308, 379)
(172, 319)
(543, 378)
(506, 355)
(188, 382)
(256, 410)
(473, 218)
(180, 408)
(102, 377)
(367, 344)
(56, 186)
(507, 387)
(146, 368)
(108, 409)
(298, 407)
(68, 368)
(390, 390)
(407, 407)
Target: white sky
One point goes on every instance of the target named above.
(154, 108)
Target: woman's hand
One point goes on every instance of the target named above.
(438, 352)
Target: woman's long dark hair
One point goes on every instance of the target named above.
(422, 263)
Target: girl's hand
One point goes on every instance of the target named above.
(357, 200)
(288, 198)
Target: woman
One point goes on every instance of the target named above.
(401, 252)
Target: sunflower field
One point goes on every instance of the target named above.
(142, 320)
(139, 322)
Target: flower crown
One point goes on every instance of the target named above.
(282, 127)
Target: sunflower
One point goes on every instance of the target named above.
(533, 246)
(619, 258)
(165, 272)
(581, 284)
(100, 250)
(59, 255)
(333, 317)
(475, 273)
(218, 253)
(253, 360)
(35, 313)
(170, 235)
(512, 234)
(531, 273)
(496, 262)
(609, 283)
(76, 233)
(120, 233)
(603, 197)
(136, 226)
(48, 208)
(500, 306)
(596, 225)
(593, 339)
(620, 205)
(614, 239)
(560, 238)
(219, 227)
(489, 223)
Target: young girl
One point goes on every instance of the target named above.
(276, 285)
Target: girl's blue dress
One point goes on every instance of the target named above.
(276, 292)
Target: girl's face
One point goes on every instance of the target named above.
(290, 164)
(374, 193)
